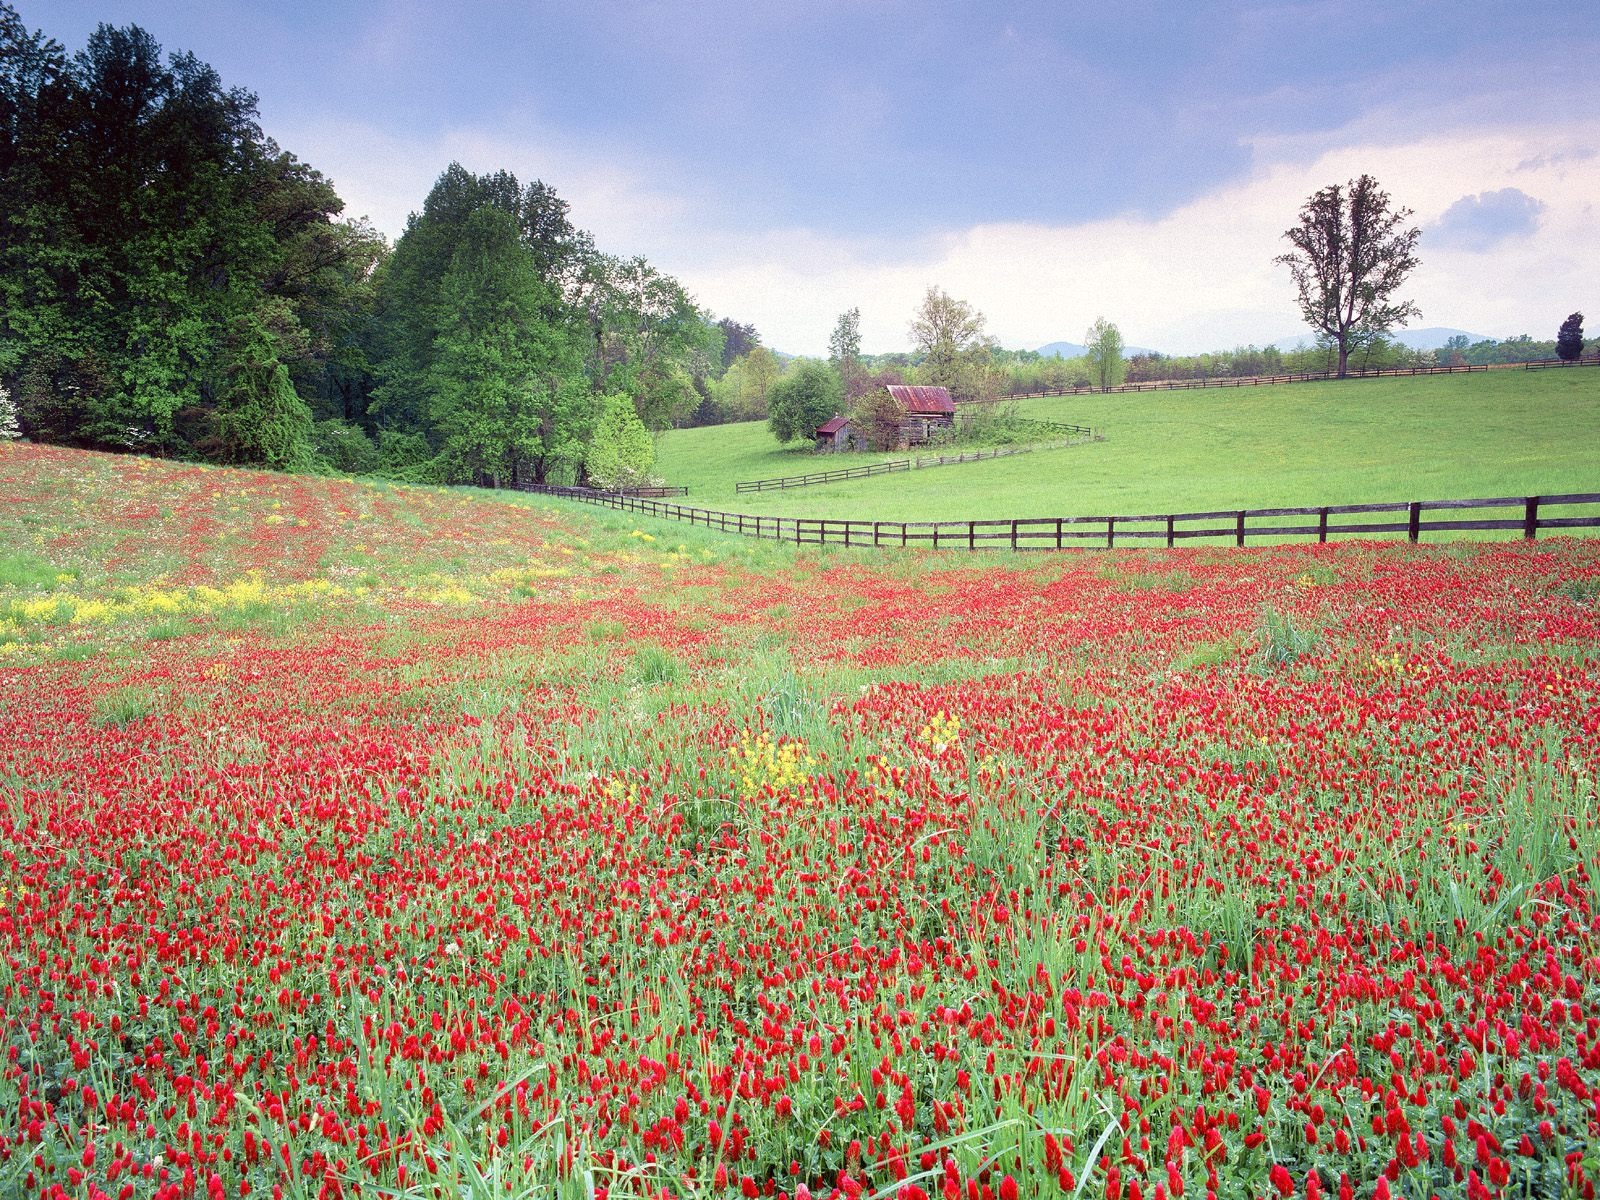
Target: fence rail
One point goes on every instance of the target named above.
(1229, 381)
(1526, 515)
(646, 493)
(784, 482)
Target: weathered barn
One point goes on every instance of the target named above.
(835, 434)
(927, 409)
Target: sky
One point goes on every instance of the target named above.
(1049, 163)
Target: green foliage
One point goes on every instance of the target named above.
(1284, 640)
(405, 455)
(1103, 349)
(877, 418)
(23, 570)
(621, 452)
(1350, 256)
(844, 351)
(124, 706)
(498, 363)
(143, 215)
(1569, 338)
(344, 447)
(803, 399)
(956, 353)
(260, 419)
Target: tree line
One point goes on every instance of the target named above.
(172, 281)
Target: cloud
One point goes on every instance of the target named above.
(1197, 277)
(1487, 219)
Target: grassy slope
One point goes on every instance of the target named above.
(1441, 437)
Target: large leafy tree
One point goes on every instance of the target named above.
(500, 366)
(144, 218)
(955, 350)
(646, 336)
(803, 399)
(1352, 252)
(737, 340)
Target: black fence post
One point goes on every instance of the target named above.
(1322, 526)
(1530, 518)
(1169, 531)
(1238, 530)
(1414, 521)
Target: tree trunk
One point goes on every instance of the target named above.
(1344, 358)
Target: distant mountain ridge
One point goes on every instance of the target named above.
(1074, 350)
(1431, 338)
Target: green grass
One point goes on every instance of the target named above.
(1501, 433)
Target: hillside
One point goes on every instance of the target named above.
(397, 829)
(1440, 437)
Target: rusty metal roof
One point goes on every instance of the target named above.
(921, 401)
(832, 426)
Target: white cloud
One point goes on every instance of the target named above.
(1200, 277)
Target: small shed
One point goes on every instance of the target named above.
(835, 434)
(927, 409)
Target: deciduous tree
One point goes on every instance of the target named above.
(621, 451)
(1103, 349)
(1351, 253)
(803, 399)
(949, 332)
(878, 418)
(844, 351)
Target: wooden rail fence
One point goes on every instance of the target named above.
(1233, 381)
(1527, 515)
(783, 482)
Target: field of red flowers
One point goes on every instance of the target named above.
(359, 841)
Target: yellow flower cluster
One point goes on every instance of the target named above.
(154, 601)
(760, 763)
(1393, 664)
(941, 733)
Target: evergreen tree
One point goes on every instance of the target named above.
(1569, 339)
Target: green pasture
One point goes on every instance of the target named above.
(1501, 433)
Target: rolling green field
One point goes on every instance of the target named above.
(1427, 438)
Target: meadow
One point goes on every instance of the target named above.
(359, 840)
(1502, 433)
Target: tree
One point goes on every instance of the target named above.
(499, 366)
(260, 419)
(803, 399)
(878, 418)
(621, 451)
(1569, 339)
(10, 430)
(1103, 349)
(737, 340)
(844, 351)
(1351, 254)
(949, 332)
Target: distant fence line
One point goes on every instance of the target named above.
(1232, 381)
(1055, 533)
(813, 478)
